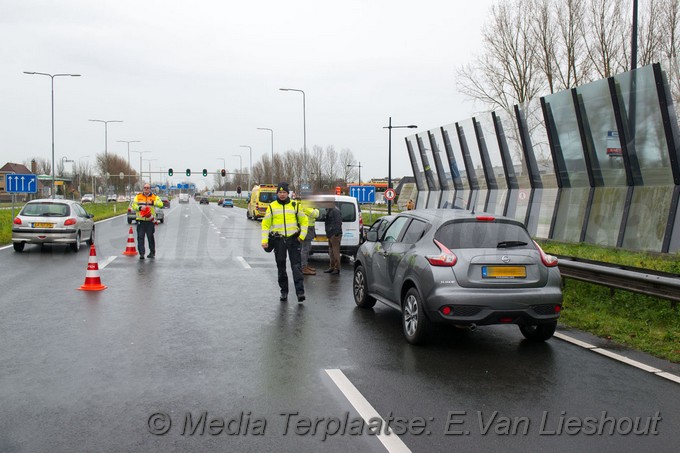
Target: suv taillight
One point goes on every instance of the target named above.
(548, 260)
(445, 259)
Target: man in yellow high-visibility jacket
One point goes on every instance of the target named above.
(145, 203)
(285, 224)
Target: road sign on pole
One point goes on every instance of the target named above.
(15, 183)
(363, 194)
(390, 194)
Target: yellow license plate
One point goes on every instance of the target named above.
(320, 239)
(43, 225)
(504, 272)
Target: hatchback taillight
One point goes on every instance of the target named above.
(70, 221)
(548, 260)
(17, 221)
(445, 259)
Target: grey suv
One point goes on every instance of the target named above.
(461, 268)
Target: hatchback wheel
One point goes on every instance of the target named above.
(360, 289)
(414, 321)
(75, 246)
(538, 332)
(19, 246)
(91, 240)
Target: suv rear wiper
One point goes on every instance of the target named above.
(507, 244)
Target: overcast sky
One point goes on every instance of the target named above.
(194, 80)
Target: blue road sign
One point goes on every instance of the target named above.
(363, 194)
(15, 183)
(173, 187)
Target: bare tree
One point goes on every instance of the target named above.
(346, 158)
(332, 165)
(543, 34)
(605, 30)
(505, 74)
(669, 23)
(572, 50)
(649, 38)
(42, 166)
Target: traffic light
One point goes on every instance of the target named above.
(223, 172)
(169, 171)
(205, 172)
(188, 172)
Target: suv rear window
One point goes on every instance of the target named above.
(474, 234)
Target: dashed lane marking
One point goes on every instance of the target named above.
(243, 262)
(107, 261)
(391, 441)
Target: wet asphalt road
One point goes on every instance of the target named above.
(199, 338)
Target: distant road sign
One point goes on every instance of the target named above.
(390, 194)
(15, 183)
(363, 194)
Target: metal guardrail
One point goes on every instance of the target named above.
(643, 281)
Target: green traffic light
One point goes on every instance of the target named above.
(170, 172)
(205, 172)
(188, 172)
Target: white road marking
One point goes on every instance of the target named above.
(243, 262)
(626, 360)
(583, 344)
(620, 358)
(391, 441)
(107, 261)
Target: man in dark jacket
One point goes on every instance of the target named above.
(333, 225)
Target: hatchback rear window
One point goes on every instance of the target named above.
(474, 234)
(45, 210)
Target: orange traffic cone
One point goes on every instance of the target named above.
(92, 280)
(130, 249)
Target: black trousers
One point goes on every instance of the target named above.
(146, 229)
(290, 246)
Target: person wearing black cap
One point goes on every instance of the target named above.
(285, 224)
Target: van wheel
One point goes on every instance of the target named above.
(414, 321)
(538, 332)
(129, 221)
(360, 289)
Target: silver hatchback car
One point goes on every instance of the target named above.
(48, 221)
(460, 268)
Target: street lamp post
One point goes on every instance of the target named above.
(240, 166)
(52, 76)
(633, 38)
(350, 165)
(65, 160)
(78, 174)
(149, 161)
(106, 140)
(129, 169)
(250, 171)
(389, 158)
(272, 131)
(304, 128)
(140, 164)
